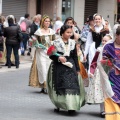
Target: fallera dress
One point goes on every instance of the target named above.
(41, 62)
(65, 86)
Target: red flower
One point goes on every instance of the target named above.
(107, 62)
(51, 50)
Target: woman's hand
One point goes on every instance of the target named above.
(90, 75)
(62, 59)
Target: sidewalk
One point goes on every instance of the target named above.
(25, 62)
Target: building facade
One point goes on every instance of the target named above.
(78, 9)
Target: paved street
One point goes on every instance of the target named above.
(18, 101)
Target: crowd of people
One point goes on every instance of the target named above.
(66, 59)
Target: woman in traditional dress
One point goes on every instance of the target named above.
(41, 61)
(94, 37)
(94, 40)
(95, 92)
(65, 87)
(75, 32)
(109, 68)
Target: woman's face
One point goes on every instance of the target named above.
(46, 22)
(118, 39)
(37, 20)
(69, 22)
(67, 34)
(98, 20)
(106, 23)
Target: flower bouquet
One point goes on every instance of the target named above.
(52, 51)
(33, 42)
(107, 62)
(107, 65)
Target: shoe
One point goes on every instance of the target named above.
(28, 53)
(45, 91)
(71, 112)
(42, 90)
(23, 54)
(12, 64)
(57, 110)
(9, 66)
(89, 103)
(17, 66)
(102, 114)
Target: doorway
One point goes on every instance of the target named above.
(38, 6)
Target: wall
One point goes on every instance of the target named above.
(0, 7)
(107, 10)
(79, 12)
(32, 8)
(59, 8)
(49, 7)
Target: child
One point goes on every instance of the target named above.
(95, 92)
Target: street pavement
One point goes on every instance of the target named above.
(18, 101)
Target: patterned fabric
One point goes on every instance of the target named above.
(111, 53)
(60, 46)
(95, 91)
(85, 31)
(68, 101)
(65, 79)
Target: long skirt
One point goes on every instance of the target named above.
(95, 92)
(112, 110)
(39, 69)
(66, 101)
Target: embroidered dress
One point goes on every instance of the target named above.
(65, 87)
(41, 61)
(93, 42)
(110, 72)
(95, 92)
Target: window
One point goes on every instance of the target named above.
(67, 9)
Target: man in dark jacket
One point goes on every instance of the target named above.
(12, 42)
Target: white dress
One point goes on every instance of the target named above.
(95, 91)
(41, 60)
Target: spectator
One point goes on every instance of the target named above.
(57, 25)
(21, 19)
(12, 42)
(1, 37)
(35, 25)
(85, 30)
(26, 25)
